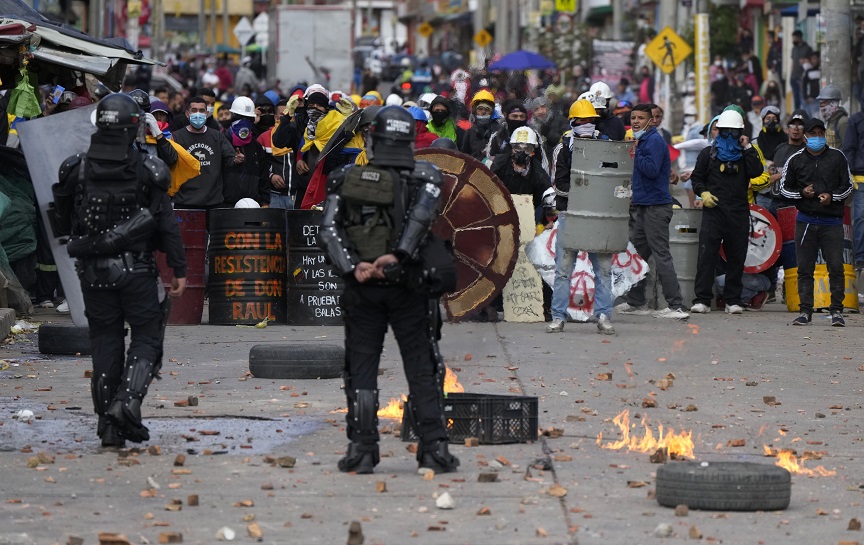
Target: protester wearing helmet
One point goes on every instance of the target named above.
(610, 126)
(722, 179)
(249, 176)
(377, 220)
(771, 135)
(483, 125)
(392, 100)
(547, 122)
(423, 138)
(520, 169)
(565, 258)
(582, 116)
(515, 116)
(817, 179)
(112, 200)
(833, 114)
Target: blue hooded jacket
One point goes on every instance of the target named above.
(651, 170)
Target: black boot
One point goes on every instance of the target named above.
(125, 409)
(436, 456)
(360, 459)
(109, 434)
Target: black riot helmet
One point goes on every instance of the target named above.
(443, 143)
(392, 133)
(118, 111)
(141, 98)
(368, 115)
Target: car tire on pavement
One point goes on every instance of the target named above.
(296, 361)
(724, 486)
(64, 339)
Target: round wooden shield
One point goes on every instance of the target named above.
(478, 217)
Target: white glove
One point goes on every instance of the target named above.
(152, 125)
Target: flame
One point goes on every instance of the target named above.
(789, 461)
(393, 408)
(680, 444)
(451, 382)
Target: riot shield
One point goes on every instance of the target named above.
(46, 143)
(478, 217)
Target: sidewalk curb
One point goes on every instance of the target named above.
(7, 320)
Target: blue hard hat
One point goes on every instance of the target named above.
(417, 113)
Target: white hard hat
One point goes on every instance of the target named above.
(247, 203)
(426, 99)
(393, 100)
(243, 106)
(730, 119)
(523, 135)
(691, 110)
(596, 100)
(600, 88)
(315, 88)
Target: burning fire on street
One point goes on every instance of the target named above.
(787, 459)
(678, 445)
(394, 407)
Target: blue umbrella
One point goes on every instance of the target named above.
(522, 60)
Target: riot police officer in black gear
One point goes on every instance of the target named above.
(112, 200)
(377, 220)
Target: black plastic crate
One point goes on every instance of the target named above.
(492, 419)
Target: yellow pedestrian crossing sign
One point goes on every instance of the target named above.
(668, 50)
(482, 38)
(425, 30)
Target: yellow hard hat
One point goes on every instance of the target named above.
(378, 95)
(582, 108)
(482, 96)
(355, 98)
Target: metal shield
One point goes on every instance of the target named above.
(478, 217)
(766, 241)
(46, 143)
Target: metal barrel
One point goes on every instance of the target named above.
(598, 208)
(193, 229)
(314, 290)
(248, 263)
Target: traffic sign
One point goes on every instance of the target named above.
(668, 50)
(564, 23)
(243, 31)
(482, 38)
(565, 5)
(425, 30)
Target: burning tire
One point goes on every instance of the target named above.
(67, 340)
(296, 361)
(724, 486)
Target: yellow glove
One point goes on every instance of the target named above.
(708, 199)
(345, 106)
(539, 229)
(291, 107)
(857, 180)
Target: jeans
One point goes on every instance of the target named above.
(809, 240)
(565, 260)
(732, 230)
(795, 84)
(858, 223)
(752, 284)
(649, 233)
(281, 201)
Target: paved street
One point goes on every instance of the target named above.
(723, 367)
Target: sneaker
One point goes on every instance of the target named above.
(677, 314)
(45, 304)
(700, 308)
(758, 301)
(604, 325)
(63, 308)
(772, 297)
(734, 309)
(627, 308)
(837, 320)
(555, 326)
(804, 319)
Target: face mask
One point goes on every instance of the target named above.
(586, 129)
(226, 123)
(198, 119)
(241, 132)
(728, 148)
(772, 126)
(440, 117)
(639, 134)
(815, 143)
(827, 110)
(688, 119)
(513, 124)
(209, 110)
(162, 125)
(521, 158)
(482, 120)
(806, 66)
(267, 120)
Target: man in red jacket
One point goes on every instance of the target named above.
(424, 138)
